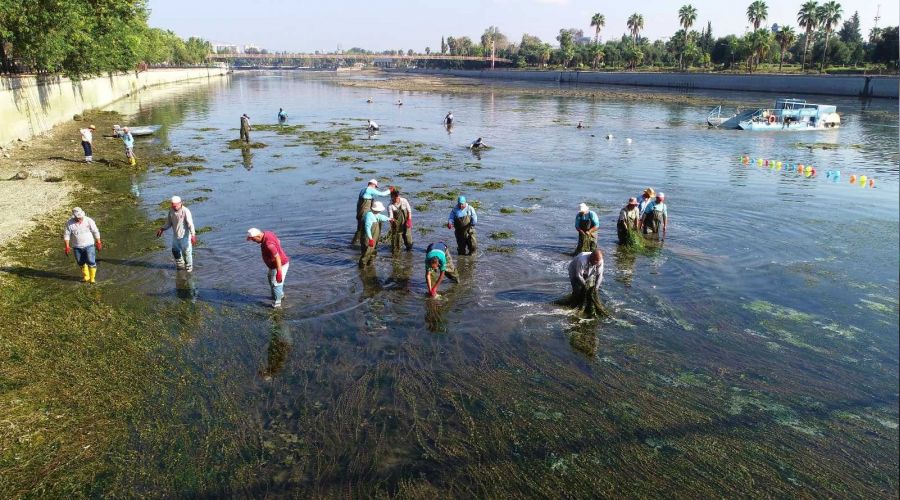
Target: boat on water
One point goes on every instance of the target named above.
(787, 115)
(137, 130)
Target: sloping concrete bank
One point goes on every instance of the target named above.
(31, 105)
(842, 85)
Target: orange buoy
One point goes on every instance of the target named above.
(871, 183)
(852, 179)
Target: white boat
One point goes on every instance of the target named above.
(138, 130)
(787, 115)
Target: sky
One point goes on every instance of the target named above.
(307, 26)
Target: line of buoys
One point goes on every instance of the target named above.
(806, 170)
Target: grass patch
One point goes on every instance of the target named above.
(507, 210)
(501, 235)
(178, 172)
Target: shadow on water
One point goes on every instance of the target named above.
(28, 272)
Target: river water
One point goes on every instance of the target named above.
(756, 349)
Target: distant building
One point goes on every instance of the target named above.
(225, 48)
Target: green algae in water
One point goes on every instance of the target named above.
(424, 230)
(780, 312)
(195, 168)
(205, 229)
(239, 144)
(282, 169)
(410, 174)
(178, 172)
(199, 199)
(507, 210)
(527, 210)
(878, 307)
(207, 129)
(312, 182)
(501, 235)
(501, 249)
(422, 207)
(490, 185)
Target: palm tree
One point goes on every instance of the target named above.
(785, 38)
(758, 43)
(757, 12)
(808, 19)
(597, 21)
(687, 14)
(829, 15)
(635, 25)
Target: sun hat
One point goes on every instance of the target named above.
(378, 206)
(373, 181)
(632, 201)
(78, 213)
(253, 232)
(92, 127)
(176, 199)
(649, 192)
(583, 208)
(661, 195)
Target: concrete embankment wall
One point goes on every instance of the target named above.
(31, 105)
(840, 85)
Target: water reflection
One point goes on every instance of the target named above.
(584, 339)
(279, 349)
(247, 158)
(625, 258)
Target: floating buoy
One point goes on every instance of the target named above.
(812, 172)
(862, 180)
(609, 137)
(766, 163)
(759, 161)
(852, 179)
(871, 183)
(800, 168)
(778, 164)
(628, 140)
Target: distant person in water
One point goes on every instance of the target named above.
(364, 205)
(275, 260)
(586, 223)
(448, 120)
(372, 233)
(245, 128)
(580, 125)
(399, 102)
(462, 220)
(369, 100)
(371, 126)
(282, 116)
(645, 199)
(478, 144)
(629, 219)
(400, 213)
(438, 264)
(82, 235)
(655, 216)
(128, 142)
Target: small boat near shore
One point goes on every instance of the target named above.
(787, 115)
(138, 130)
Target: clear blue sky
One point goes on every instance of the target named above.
(306, 26)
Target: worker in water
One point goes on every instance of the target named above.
(82, 235)
(364, 206)
(586, 272)
(478, 144)
(655, 216)
(87, 142)
(586, 223)
(275, 259)
(646, 197)
(245, 128)
(128, 141)
(448, 120)
(400, 213)
(462, 220)
(399, 102)
(184, 236)
(580, 125)
(372, 226)
(629, 219)
(438, 264)
(371, 126)
(282, 116)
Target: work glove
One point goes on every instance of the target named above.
(193, 239)
(278, 277)
(68, 250)
(159, 233)
(99, 245)
(371, 243)
(408, 223)
(449, 225)
(432, 293)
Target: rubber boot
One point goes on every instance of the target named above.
(179, 264)
(93, 273)
(133, 161)
(85, 273)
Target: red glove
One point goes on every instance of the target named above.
(68, 249)
(408, 223)
(193, 239)
(449, 225)
(278, 276)
(432, 292)
(99, 245)
(159, 233)
(371, 243)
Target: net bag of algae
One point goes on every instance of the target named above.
(587, 301)
(634, 239)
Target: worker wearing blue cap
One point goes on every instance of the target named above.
(462, 220)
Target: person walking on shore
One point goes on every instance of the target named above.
(586, 223)
(245, 128)
(364, 205)
(368, 247)
(400, 212)
(438, 264)
(184, 236)
(275, 260)
(87, 142)
(462, 220)
(128, 141)
(82, 236)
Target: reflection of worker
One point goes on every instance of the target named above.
(585, 272)
(438, 264)
(82, 235)
(245, 128)
(586, 223)
(279, 349)
(275, 260)
(372, 232)
(400, 213)
(462, 220)
(364, 205)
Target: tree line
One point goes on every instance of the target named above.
(815, 44)
(87, 37)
